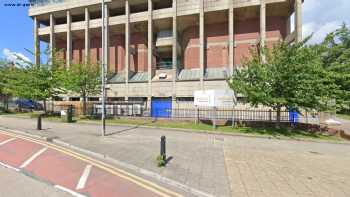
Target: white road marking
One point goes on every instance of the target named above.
(37, 154)
(84, 177)
(73, 193)
(7, 141)
(9, 167)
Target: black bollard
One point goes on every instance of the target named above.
(162, 147)
(39, 123)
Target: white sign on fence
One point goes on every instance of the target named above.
(214, 98)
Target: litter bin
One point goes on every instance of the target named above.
(67, 115)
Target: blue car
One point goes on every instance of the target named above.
(28, 104)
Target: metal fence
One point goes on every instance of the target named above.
(140, 110)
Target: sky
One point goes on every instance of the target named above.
(16, 28)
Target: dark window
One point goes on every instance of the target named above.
(74, 99)
(185, 99)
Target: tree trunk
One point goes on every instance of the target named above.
(278, 118)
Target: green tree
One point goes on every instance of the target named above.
(292, 77)
(82, 79)
(4, 70)
(335, 53)
(34, 82)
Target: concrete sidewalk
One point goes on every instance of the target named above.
(217, 165)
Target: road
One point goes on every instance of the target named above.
(69, 171)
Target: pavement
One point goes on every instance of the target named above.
(13, 180)
(212, 165)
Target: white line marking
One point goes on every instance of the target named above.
(37, 154)
(69, 191)
(9, 167)
(84, 177)
(7, 141)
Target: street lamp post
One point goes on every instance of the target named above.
(103, 71)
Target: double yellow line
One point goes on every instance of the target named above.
(99, 164)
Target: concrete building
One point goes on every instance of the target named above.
(164, 49)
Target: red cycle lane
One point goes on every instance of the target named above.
(57, 168)
(16, 152)
(102, 183)
(71, 172)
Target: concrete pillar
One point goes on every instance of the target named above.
(36, 41)
(87, 36)
(69, 40)
(150, 48)
(174, 48)
(298, 20)
(201, 43)
(52, 38)
(127, 46)
(106, 60)
(263, 27)
(231, 30)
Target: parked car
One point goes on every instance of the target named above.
(28, 104)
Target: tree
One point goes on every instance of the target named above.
(4, 68)
(34, 82)
(83, 79)
(292, 77)
(335, 53)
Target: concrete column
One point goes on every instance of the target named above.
(150, 48)
(127, 46)
(36, 41)
(106, 60)
(174, 47)
(201, 43)
(69, 40)
(52, 38)
(298, 20)
(87, 36)
(263, 27)
(231, 25)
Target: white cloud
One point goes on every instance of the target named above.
(16, 58)
(319, 31)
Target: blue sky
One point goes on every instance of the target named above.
(319, 17)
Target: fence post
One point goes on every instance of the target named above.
(197, 115)
(214, 118)
(270, 115)
(233, 118)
